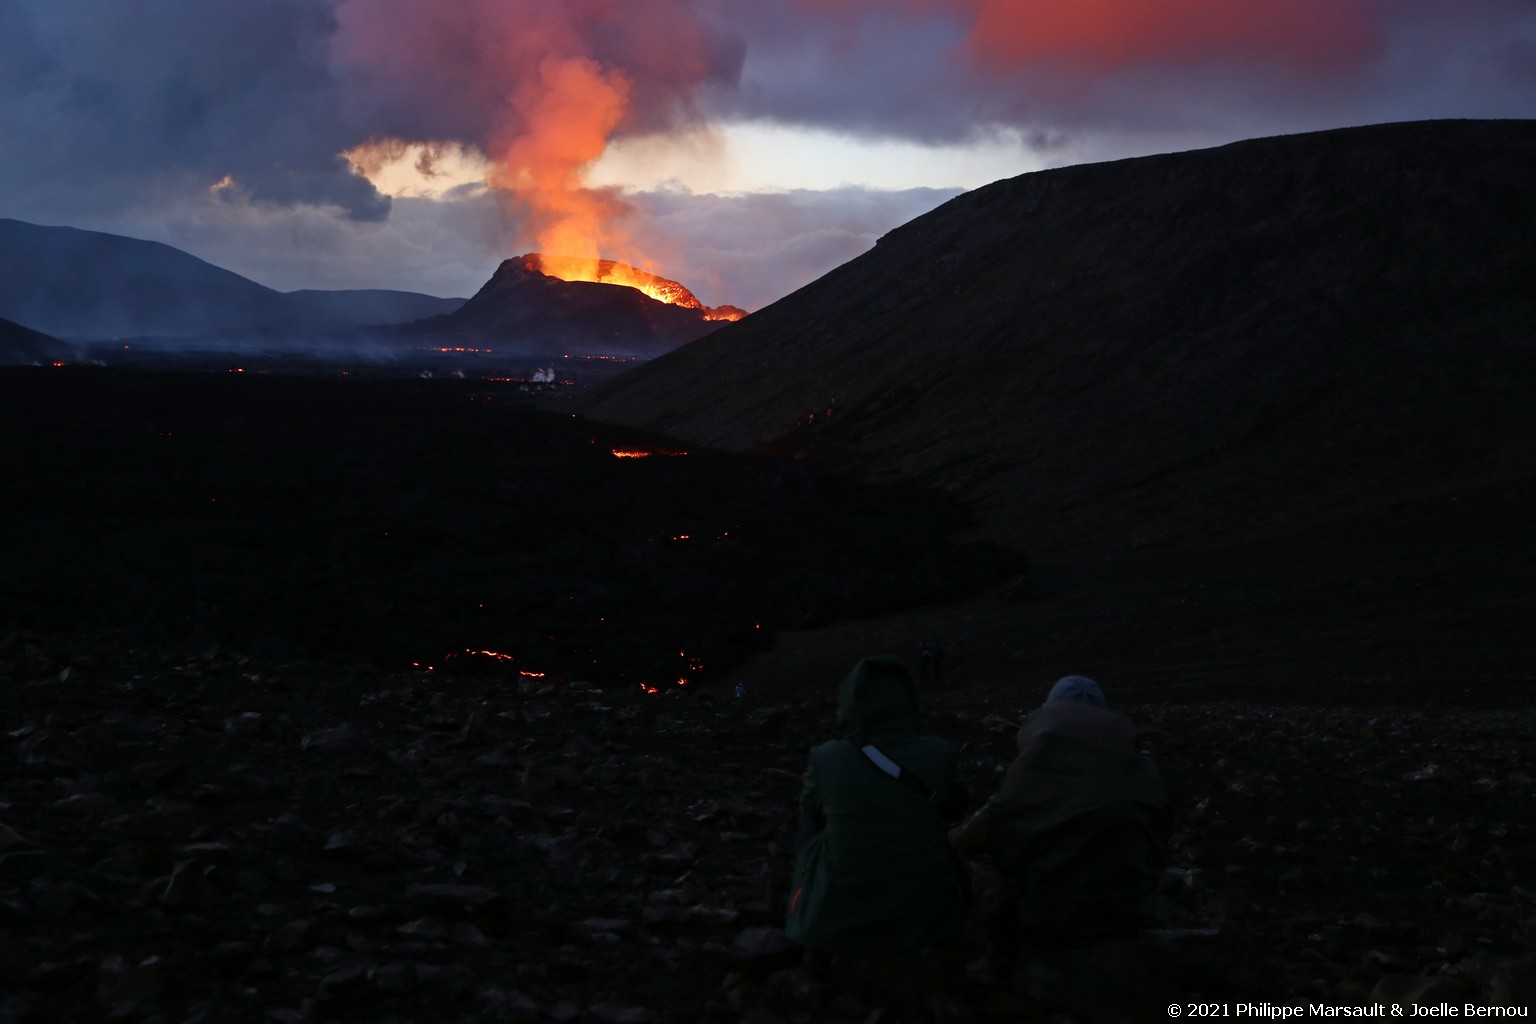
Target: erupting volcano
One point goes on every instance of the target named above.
(597, 271)
(545, 307)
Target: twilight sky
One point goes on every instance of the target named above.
(743, 147)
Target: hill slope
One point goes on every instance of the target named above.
(89, 284)
(1164, 348)
(23, 345)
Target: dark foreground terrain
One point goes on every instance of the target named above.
(406, 521)
(226, 793)
(201, 836)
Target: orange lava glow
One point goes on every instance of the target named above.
(528, 98)
(499, 656)
(571, 268)
(640, 453)
(490, 654)
(599, 271)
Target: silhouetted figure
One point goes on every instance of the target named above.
(875, 878)
(1076, 830)
(930, 664)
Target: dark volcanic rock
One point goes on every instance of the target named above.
(1161, 348)
(308, 514)
(1344, 874)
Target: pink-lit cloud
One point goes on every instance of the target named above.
(1003, 35)
(540, 86)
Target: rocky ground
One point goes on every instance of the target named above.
(226, 794)
(204, 837)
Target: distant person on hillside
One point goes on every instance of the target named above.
(875, 877)
(1076, 829)
(930, 664)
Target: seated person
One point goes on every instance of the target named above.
(1076, 828)
(874, 869)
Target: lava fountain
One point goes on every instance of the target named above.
(600, 271)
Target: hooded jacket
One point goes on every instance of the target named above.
(1078, 822)
(880, 874)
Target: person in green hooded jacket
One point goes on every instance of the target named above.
(1076, 829)
(874, 870)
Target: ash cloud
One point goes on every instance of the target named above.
(109, 105)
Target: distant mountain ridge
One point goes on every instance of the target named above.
(79, 284)
(1156, 349)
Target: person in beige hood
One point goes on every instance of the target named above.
(1076, 829)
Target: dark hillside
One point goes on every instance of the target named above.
(90, 284)
(401, 520)
(363, 306)
(1167, 349)
(22, 345)
(1260, 415)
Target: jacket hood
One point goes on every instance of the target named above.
(878, 698)
(1078, 688)
(1078, 720)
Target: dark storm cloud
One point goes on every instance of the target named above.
(1115, 77)
(111, 104)
(893, 76)
(107, 103)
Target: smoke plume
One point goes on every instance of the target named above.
(540, 86)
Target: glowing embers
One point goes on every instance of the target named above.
(689, 668)
(497, 655)
(693, 665)
(642, 453)
(494, 656)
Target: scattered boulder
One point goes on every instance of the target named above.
(454, 900)
(338, 738)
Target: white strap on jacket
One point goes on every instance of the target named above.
(878, 758)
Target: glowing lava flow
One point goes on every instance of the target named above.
(574, 268)
(642, 453)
